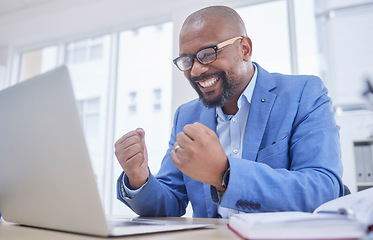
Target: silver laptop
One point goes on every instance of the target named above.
(46, 177)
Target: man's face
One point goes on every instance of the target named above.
(216, 83)
(214, 89)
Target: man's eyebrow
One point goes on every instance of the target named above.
(184, 55)
(210, 46)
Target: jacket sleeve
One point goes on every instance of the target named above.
(297, 173)
(164, 194)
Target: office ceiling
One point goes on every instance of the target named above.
(37, 21)
(12, 6)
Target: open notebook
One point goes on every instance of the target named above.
(46, 177)
(347, 217)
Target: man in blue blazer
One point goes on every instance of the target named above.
(253, 142)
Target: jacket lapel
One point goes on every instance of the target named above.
(208, 118)
(260, 108)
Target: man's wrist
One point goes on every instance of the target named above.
(126, 191)
(225, 181)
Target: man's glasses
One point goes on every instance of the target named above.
(204, 56)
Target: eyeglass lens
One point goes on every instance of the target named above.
(207, 55)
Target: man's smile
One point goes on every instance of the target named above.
(208, 85)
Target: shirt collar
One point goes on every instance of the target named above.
(246, 95)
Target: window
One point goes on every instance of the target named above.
(157, 100)
(267, 26)
(79, 54)
(89, 111)
(85, 50)
(96, 52)
(132, 106)
(305, 24)
(37, 61)
(90, 81)
(346, 50)
(144, 85)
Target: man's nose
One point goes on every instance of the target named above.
(198, 68)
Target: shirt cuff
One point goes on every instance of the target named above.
(126, 191)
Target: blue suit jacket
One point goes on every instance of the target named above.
(291, 158)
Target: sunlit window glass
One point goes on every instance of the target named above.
(132, 103)
(306, 35)
(85, 50)
(267, 27)
(89, 110)
(346, 51)
(157, 100)
(37, 61)
(88, 63)
(145, 64)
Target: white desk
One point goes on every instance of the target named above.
(10, 231)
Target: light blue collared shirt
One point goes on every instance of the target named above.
(231, 128)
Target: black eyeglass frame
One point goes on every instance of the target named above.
(216, 48)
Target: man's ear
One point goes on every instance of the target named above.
(247, 48)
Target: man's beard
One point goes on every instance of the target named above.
(228, 91)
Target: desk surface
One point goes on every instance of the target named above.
(219, 231)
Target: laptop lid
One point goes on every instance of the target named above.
(46, 177)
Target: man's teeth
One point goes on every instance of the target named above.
(208, 83)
